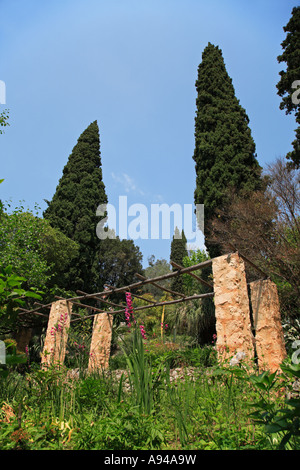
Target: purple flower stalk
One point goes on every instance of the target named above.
(129, 310)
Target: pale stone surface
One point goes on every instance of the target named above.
(57, 333)
(269, 339)
(101, 341)
(232, 311)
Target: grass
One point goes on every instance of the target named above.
(210, 410)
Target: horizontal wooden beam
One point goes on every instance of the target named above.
(160, 304)
(101, 299)
(136, 285)
(205, 283)
(79, 304)
(133, 295)
(160, 287)
(24, 311)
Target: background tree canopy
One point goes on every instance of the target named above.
(118, 262)
(34, 249)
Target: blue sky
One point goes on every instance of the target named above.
(132, 66)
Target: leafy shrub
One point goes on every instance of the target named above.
(123, 428)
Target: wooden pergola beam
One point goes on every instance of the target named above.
(145, 281)
(133, 295)
(159, 304)
(34, 310)
(101, 299)
(24, 311)
(160, 287)
(205, 283)
(79, 304)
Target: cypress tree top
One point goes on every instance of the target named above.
(290, 78)
(224, 148)
(73, 207)
(178, 252)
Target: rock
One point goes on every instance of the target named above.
(101, 341)
(269, 339)
(233, 325)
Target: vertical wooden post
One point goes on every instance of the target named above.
(269, 339)
(23, 337)
(101, 342)
(232, 308)
(57, 334)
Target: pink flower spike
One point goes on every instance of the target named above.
(143, 332)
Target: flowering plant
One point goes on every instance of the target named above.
(129, 315)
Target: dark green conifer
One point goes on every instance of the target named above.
(178, 252)
(289, 84)
(224, 148)
(73, 208)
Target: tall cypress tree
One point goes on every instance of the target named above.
(178, 252)
(290, 79)
(224, 148)
(73, 207)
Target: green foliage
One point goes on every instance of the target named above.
(201, 357)
(4, 120)
(92, 392)
(1, 204)
(73, 208)
(206, 410)
(79, 342)
(143, 383)
(19, 247)
(57, 250)
(197, 317)
(224, 148)
(124, 428)
(118, 261)
(191, 285)
(281, 424)
(155, 269)
(150, 317)
(12, 358)
(33, 248)
(290, 56)
(12, 296)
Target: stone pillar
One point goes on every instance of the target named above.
(269, 339)
(232, 310)
(57, 334)
(101, 342)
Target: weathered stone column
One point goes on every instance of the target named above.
(269, 339)
(232, 308)
(57, 334)
(101, 342)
